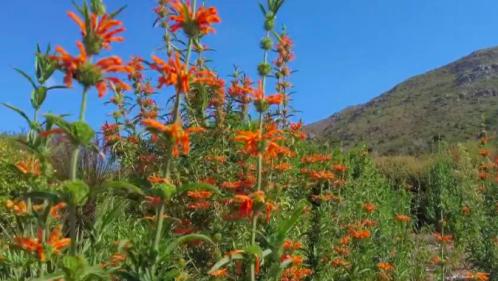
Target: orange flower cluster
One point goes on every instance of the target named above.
(19, 208)
(29, 167)
(402, 218)
(443, 239)
(196, 23)
(98, 32)
(173, 73)
(174, 132)
(200, 199)
(369, 207)
(111, 133)
(359, 234)
(262, 102)
(385, 266)
(54, 243)
(267, 143)
(89, 74)
(477, 276)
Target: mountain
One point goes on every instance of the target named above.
(447, 103)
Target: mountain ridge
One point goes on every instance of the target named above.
(444, 103)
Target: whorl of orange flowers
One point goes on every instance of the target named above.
(89, 74)
(54, 243)
(175, 132)
(262, 102)
(267, 143)
(19, 208)
(173, 73)
(29, 167)
(443, 239)
(193, 23)
(385, 266)
(477, 276)
(98, 32)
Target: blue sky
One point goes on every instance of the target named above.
(347, 51)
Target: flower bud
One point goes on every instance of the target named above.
(98, 7)
(266, 44)
(264, 69)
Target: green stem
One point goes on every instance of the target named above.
(159, 230)
(74, 176)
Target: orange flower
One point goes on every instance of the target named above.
(193, 24)
(369, 207)
(345, 240)
(199, 194)
(315, 158)
(339, 168)
(175, 132)
(246, 204)
(98, 32)
(359, 234)
(219, 273)
(477, 276)
(443, 239)
(173, 73)
(199, 205)
(339, 262)
(55, 210)
(385, 266)
(323, 175)
(436, 260)
(254, 143)
(292, 245)
(153, 200)
(241, 89)
(29, 167)
(88, 74)
(403, 218)
(262, 102)
(19, 208)
(157, 180)
(55, 243)
(342, 250)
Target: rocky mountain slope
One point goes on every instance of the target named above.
(447, 103)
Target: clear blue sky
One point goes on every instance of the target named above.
(347, 51)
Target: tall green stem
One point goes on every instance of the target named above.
(259, 184)
(74, 175)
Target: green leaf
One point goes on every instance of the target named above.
(57, 87)
(25, 75)
(82, 133)
(254, 250)
(43, 195)
(189, 238)
(50, 277)
(21, 113)
(38, 97)
(123, 185)
(118, 11)
(78, 192)
(164, 190)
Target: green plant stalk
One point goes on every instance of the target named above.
(74, 176)
(443, 266)
(167, 173)
(259, 168)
